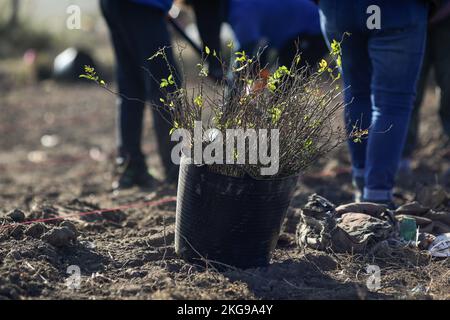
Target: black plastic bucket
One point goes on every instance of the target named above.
(233, 221)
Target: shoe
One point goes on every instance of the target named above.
(358, 185)
(133, 173)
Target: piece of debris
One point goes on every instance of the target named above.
(425, 224)
(440, 216)
(373, 209)
(408, 228)
(440, 247)
(323, 226)
(317, 221)
(359, 231)
(425, 240)
(68, 65)
(413, 208)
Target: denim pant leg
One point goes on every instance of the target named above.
(356, 78)
(396, 56)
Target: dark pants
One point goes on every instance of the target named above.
(137, 32)
(312, 48)
(437, 55)
(209, 16)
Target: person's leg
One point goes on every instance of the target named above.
(130, 84)
(131, 164)
(312, 48)
(149, 33)
(357, 113)
(396, 56)
(209, 17)
(162, 117)
(441, 49)
(413, 130)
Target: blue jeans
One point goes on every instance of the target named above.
(380, 69)
(137, 32)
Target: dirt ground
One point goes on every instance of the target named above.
(129, 253)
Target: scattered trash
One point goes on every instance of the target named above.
(321, 226)
(440, 247)
(408, 229)
(438, 216)
(413, 208)
(358, 231)
(424, 240)
(369, 208)
(69, 64)
(370, 227)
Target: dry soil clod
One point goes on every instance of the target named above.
(36, 230)
(17, 215)
(60, 237)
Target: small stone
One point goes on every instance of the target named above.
(17, 215)
(60, 237)
(36, 230)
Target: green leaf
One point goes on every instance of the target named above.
(198, 101)
(170, 79)
(164, 83)
(207, 50)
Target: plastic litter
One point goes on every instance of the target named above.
(440, 247)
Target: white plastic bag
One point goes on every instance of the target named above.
(440, 247)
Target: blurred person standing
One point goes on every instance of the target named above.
(285, 25)
(138, 29)
(437, 56)
(380, 66)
